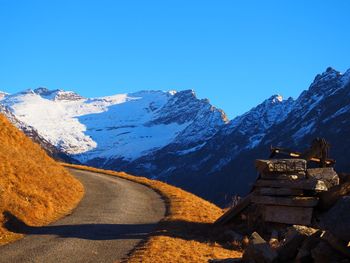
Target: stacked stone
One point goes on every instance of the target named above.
(288, 192)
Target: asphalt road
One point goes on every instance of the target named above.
(113, 217)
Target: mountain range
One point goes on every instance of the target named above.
(180, 139)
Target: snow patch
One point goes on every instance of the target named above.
(254, 140)
(193, 149)
(341, 111)
(277, 99)
(303, 131)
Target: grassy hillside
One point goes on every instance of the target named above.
(33, 187)
(186, 234)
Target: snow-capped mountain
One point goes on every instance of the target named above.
(176, 165)
(185, 141)
(224, 165)
(258, 120)
(123, 126)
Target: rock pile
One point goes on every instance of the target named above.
(303, 213)
(287, 191)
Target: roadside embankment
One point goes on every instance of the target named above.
(186, 234)
(33, 187)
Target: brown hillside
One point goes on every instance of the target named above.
(33, 187)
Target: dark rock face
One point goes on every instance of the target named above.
(57, 94)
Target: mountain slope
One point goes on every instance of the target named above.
(321, 111)
(196, 170)
(33, 187)
(177, 138)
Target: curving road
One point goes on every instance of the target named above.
(113, 217)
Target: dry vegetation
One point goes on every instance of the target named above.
(33, 187)
(186, 234)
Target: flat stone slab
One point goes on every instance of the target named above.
(278, 191)
(307, 184)
(277, 176)
(286, 201)
(288, 214)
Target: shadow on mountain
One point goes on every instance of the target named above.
(82, 231)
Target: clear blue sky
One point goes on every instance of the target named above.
(236, 53)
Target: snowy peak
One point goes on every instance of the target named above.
(200, 119)
(53, 95)
(271, 111)
(329, 74)
(326, 82)
(324, 85)
(41, 90)
(275, 99)
(184, 106)
(256, 122)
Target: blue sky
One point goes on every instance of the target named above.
(236, 53)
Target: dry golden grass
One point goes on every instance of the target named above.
(186, 234)
(33, 187)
